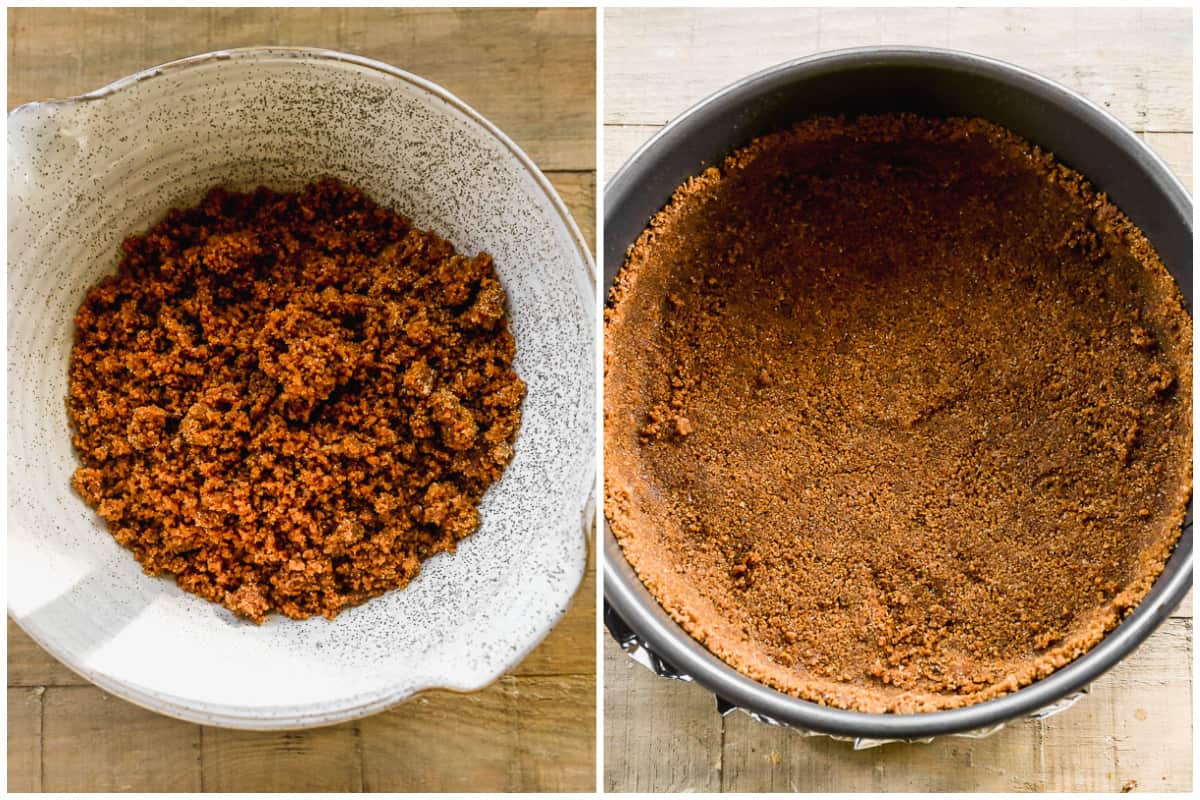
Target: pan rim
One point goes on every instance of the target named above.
(634, 604)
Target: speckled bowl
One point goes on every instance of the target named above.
(84, 173)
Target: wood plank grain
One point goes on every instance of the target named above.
(520, 734)
(1135, 726)
(405, 748)
(578, 191)
(659, 735)
(1176, 150)
(1185, 608)
(25, 739)
(763, 759)
(530, 71)
(93, 742)
(1130, 727)
(1137, 63)
(29, 665)
(758, 758)
(318, 760)
(556, 732)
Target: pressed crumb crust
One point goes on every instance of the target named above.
(288, 401)
(897, 412)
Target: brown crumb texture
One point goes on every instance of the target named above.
(897, 412)
(288, 401)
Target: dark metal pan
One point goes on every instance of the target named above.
(937, 83)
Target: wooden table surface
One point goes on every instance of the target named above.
(1134, 730)
(532, 72)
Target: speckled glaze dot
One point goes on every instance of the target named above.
(86, 172)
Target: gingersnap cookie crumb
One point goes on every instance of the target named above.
(289, 401)
(897, 412)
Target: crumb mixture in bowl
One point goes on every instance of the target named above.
(897, 412)
(288, 401)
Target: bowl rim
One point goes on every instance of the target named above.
(326, 54)
(295, 718)
(640, 611)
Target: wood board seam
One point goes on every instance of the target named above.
(360, 754)
(1039, 737)
(42, 739)
(200, 738)
(721, 752)
(516, 770)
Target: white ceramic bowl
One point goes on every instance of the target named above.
(86, 172)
